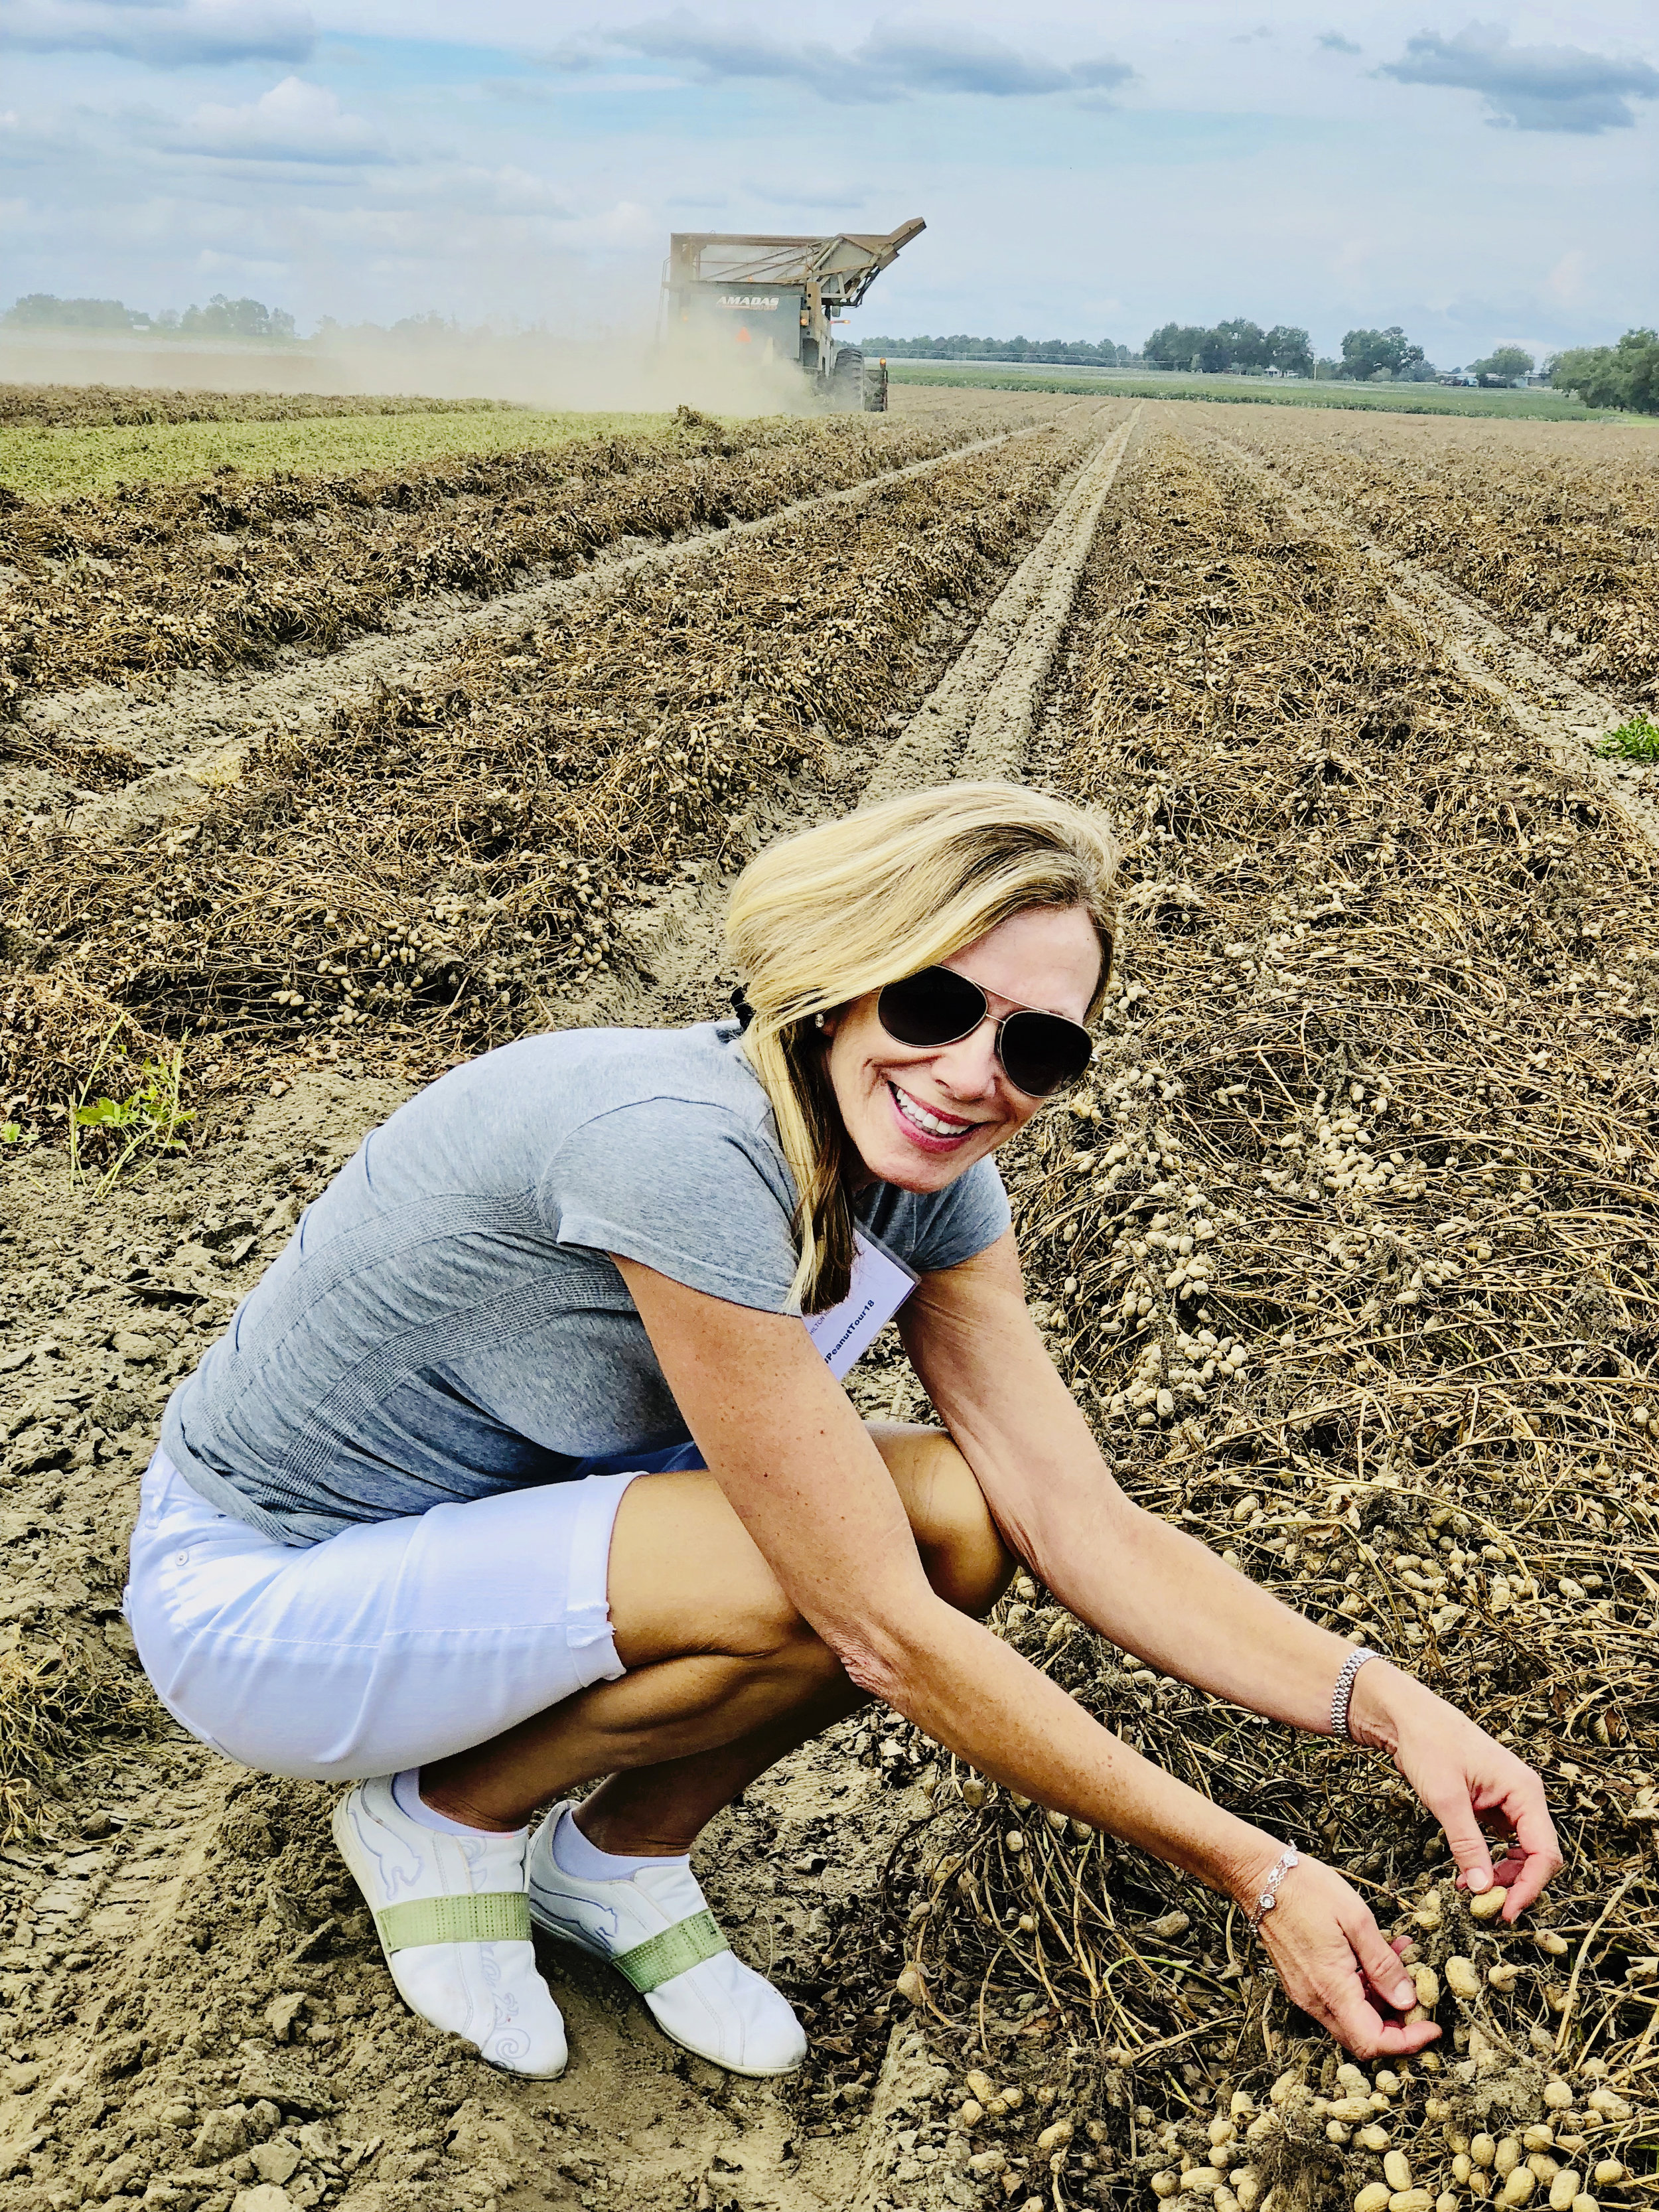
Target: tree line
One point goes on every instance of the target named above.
(1083, 353)
(221, 318)
(1242, 348)
(1237, 344)
(1623, 375)
(1237, 347)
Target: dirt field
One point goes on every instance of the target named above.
(1347, 1252)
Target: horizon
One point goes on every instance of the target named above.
(173, 325)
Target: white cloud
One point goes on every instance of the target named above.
(164, 33)
(1239, 179)
(896, 61)
(830, 198)
(532, 91)
(457, 187)
(293, 122)
(1529, 87)
(213, 267)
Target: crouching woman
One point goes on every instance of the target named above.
(518, 1470)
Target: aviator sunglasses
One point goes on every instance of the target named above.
(1040, 1054)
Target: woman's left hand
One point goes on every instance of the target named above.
(1469, 1783)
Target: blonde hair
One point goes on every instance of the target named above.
(821, 918)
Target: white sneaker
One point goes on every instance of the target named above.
(454, 1923)
(655, 1928)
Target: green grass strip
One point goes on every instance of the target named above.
(61, 463)
(1360, 398)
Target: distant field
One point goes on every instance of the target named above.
(44, 462)
(1390, 398)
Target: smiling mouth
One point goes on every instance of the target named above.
(937, 1128)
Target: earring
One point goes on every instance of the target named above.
(817, 1021)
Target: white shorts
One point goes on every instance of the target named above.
(392, 1643)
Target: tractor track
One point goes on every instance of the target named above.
(1563, 715)
(977, 719)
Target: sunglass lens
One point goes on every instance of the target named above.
(935, 1007)
(1042, 1053)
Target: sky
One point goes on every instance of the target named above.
(1084, 170)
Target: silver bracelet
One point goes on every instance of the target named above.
(1342, 1695)
(1269, 1898)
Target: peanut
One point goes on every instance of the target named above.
(1461, 1979)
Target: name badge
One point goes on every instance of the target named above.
(880, 1285)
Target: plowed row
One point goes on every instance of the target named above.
(1561, 542)
(224, 574)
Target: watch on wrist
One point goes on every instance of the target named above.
(1342, 1695)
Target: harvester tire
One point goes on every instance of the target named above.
(847, 380)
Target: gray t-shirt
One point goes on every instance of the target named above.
(445, 1323)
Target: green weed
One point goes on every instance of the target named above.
(149, 1119)
(1638, 739)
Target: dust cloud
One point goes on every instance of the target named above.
(617, 373)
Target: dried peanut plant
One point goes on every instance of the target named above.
(1348, 1252)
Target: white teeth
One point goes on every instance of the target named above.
(929, 1123)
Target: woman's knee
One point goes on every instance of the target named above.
(687, 1579)
(961, 1546)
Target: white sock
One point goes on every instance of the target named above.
(406, 1796)
(575, 1855)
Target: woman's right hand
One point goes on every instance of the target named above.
(1333, 1961)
